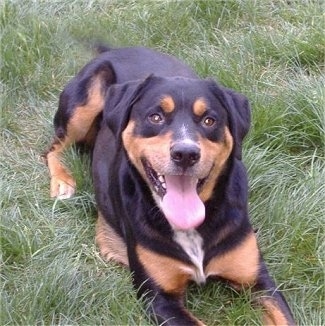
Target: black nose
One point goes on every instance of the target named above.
(185, 154)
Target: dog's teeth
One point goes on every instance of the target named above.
(164, 185)
(161, 179)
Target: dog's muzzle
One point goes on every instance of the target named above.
(178, 189)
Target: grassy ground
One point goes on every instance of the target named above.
(272, 51)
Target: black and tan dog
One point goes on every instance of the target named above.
(170, 184)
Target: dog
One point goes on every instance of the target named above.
(170, 185)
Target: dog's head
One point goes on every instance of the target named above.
(179, 134)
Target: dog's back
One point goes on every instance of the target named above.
(137, 63)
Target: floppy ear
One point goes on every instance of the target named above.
(119, 101)
(239, 115)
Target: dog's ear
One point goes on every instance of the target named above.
(239, 115)
(119, 101)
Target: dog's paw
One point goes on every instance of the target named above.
(62, 187)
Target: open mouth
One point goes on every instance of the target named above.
(178, 197)
(158, 181)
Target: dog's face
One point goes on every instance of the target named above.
(176, 132)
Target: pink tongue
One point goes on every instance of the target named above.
(181, 205)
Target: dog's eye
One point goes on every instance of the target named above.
(208, 121)
(156, 118)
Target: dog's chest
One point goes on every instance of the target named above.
(192, 243)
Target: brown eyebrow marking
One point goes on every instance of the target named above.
(167, 104)
(199, 107)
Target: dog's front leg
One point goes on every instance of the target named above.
(244, 267)
(168, 309)
(276, 309)
(161, 281)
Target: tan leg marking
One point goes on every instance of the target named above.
(80, 128)
(110, 244)
(85, 115)
(62, 184)
(239, 265)
(171, 275)
(168, 273)
(272, 315)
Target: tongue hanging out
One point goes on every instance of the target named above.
(181, 204)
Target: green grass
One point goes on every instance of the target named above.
(272, 51)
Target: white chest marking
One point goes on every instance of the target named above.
(192, 242)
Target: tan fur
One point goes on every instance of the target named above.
(170, 274)
(110, 244)
(84, 116)
(239, 265)
(199, 107)
(80, 128)
(214, 155)
(62, 183)
(167, 104)
(155, 149)
(272, 315)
